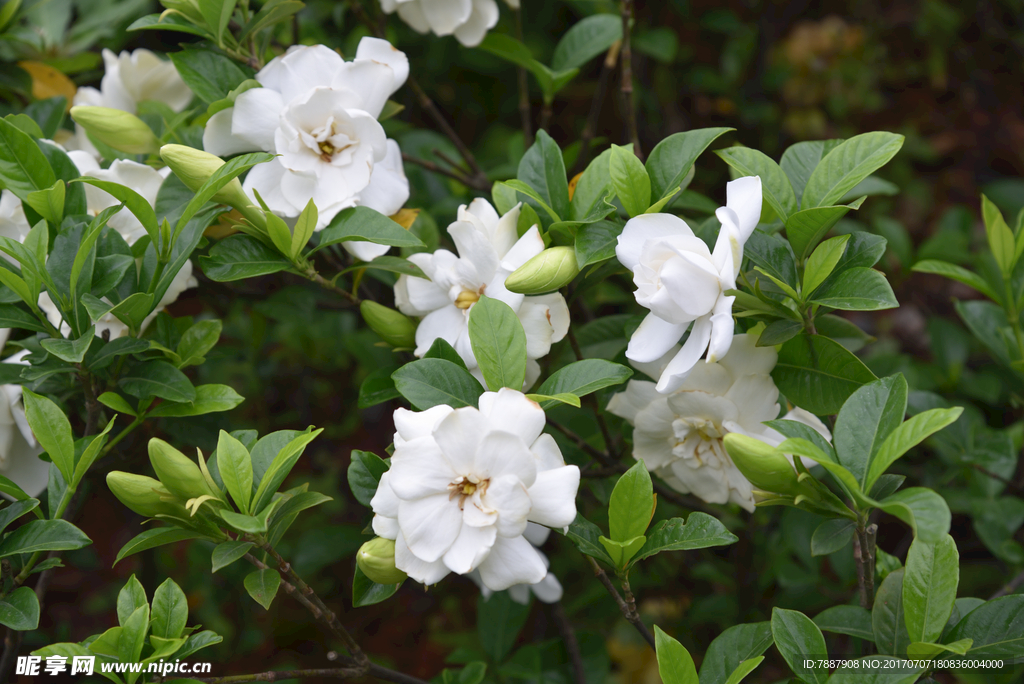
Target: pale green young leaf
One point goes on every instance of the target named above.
(632, 504)
(822, 262)
(304, 227)
(235, 467)
(775, 186)
(630, 180)
(930, 580)
(906, 436)
(499, 343)
(1000, 237)
(52, 430)
(675, 665)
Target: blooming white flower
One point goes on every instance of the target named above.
(128, 79)
(548, 590)
(462, 485)
(682, 282)
(489, 251)
(141, 178)
(319, 114)
(13, 223)
(19, 450)
(467, 20)
(679, 436)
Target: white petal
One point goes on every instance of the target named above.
(419, 469)
(508, 496)
(300, 70)
(268, 179)
(679, 367)
(722, 326)
(470, 548)
(548, 590)
(474, 247)
(444, 16)
(388, 190)
(421, 296)
(430, 525)
(459, 435)
(365, 251)
(256, 117)
(484, 17)
(385, 527)
(382, 51)
(410, 425)
(646, 227)
(653, 338)
(545, 450)
(743, 196)
(512, 412)
(746, 358)
(536, 534)
(23, 466)
(446, 323)
(511, 561)
(810, 420)
(553, 496)
(638, 395)
(219, 140)
(524, 249)
(384, 501)
(504, 453)
(420, 570)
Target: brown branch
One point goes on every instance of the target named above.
(12, 644)
(628, 609)
(1010, 587)
(995, 476)
(629, 106)
(328, 673)
(864, 555)
(454, 175)
(328, 285)
(611, 59)
(572, 645)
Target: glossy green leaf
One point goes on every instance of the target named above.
(732, 647)
(158, 379)
(851, 620)
(362, 224)
(499, 343)
(996, 628)
(908, 435)
(630, 180)
(43, 535)
(169, 611)
(800, 160)
(866, 420)
(831, 536)
(807, 227)
(632, 504)
(52, 430)
(799, 639)
(930, 579)
(366, 592)
(698, 531)
(209, 399)
(847, 165)
(887, 617)
(226, 553)
(672, 158)
(857, 289)
(430, 382)
(364, 473)
(262, 586)
(543, 169)
(674, 662)
(775, 186)
(584, 377)
(235, 468)
(241, 256)
(23, 167)
(586, 39)
(925, 511)
(19, 610)
(957, 273)
(822, 262)
(818, 374)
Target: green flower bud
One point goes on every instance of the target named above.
(144, 495)
(122, 131)
(546, 272)
(376, 559)
(765, 466)
(194, 167)
(394, 327)
(177, 472)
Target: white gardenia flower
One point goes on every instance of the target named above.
(462, 485)
(467, 20)
(679, 436)
(319, 114)
(128, 79)
(143, 179)
(682, 282)
(489, 250)
(548, 590)
(13, 223)
(19, 450)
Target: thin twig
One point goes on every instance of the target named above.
(448, 160)
(629, 106)
(454, 175)
(1010, 587)
(328, 673)
(630, 614)
(525, 115)
(995, 476)
(572, 645)
(328, 285)
(864, 555)
(611, 59)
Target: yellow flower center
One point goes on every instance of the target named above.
(466, 299)
(327, 151)
(465, 487)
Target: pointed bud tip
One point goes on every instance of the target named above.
(548, 271)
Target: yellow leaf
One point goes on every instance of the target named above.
(572, 184)
(225, 225)
(406, 217)
(48, 82)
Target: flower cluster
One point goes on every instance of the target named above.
(463, 485)
(681, 281)
(467, 20)
(319, 114)
(679, 435)
(489, 250)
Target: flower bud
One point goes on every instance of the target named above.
(376, 559)
(122, 131)
(546, 272)
(177, 472)
(144, 495)
(765, 466)
(394, 327)
(194, 167)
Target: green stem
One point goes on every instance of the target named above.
(37, 556)
(124, 433)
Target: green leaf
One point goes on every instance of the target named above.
(779, 332)
(699, 531)
(919, 649)
(279, 469)
(674, 662)
(152, 538)
(590, 199)
(583, 377)
(498, 622)
(596, 242)
(91, 452)
(138, 205)
(801, 447)
(630, 180)
(366, 592)
(622, 551)
(131, 597)
(930, 579)
(392, 264)
(15, 510)
(564, 398)
(23, 167)
(19, 610)
(214, 184)
(209, 399)
(732, 647)
(864, 422)
(197, 341)
(908, 435)
(632, 504)
(170, 611)
(822, 262)
(852, 620)
(262, 586)
(133, 637)
(818, 374)
(70, 351)
(431, 382)
(887, 619)
(543, 170)
(243, 522)
(847, 165)
(586, 536)
(362, 224)
(499, 343)
(743, 669)
(807, 227)
(210, 75)
(273, 12)
(115, 348)
(52, 430)
(43, 535)
(364, 473)
(925, 511)
(217, 14)
(239, 257)
(235, 468)
(775, 186)
(1000, 237)
(158, 379)
(773, 255)
(799, 161)
(12, 316)
(296, 504)
(798, 639)
(957, 273)
(377, 388)
(672, 158)
(226, 553)
(168, 22)
(831, 536)
(116, 402)
(585, 40)
(996, 627)
(49, 203)
(876, 670)
(857, 289)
